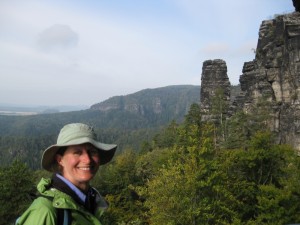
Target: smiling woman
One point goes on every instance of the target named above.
(79, 164)
(75, 160)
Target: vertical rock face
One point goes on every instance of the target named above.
(296, 4)
(214, 77)
(274, 75)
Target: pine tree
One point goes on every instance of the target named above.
(16, 185)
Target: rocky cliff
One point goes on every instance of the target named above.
(274, 77)
(171, 102)
(214, 79)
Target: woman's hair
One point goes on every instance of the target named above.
(61, 150)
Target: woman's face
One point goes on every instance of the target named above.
(79, 164)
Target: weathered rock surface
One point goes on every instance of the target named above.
(296, 4)
(273, 76)
(214, 78)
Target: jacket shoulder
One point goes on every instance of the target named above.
(41, 211)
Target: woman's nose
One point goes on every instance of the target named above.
(86, 156)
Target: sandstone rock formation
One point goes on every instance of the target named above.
(296, 4)
(273, 77)
(214, 78)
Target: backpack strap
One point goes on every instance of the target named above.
(63, 216)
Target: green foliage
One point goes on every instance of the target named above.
(260, 179)
(148, 164)
(115, 182)
(219, 109)
(239, 131)
(167, 137)
(188, 189)
(193, 116)
(19, 148)
(16, 183)
(241, 127)
(185, 174)
(201, 184)
(129, 121)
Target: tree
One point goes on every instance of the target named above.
(241, 127)
(194, 115)
(16, 185)
(263, 180)
(189, 188)
(115, 181)
(219, 110)
(167, 137)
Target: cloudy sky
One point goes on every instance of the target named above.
(69, 52)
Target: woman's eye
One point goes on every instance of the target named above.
(93, 151)
(77, 152)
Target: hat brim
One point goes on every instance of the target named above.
(106, 152)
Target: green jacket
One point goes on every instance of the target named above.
(42, 210)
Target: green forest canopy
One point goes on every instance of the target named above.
(190, 173)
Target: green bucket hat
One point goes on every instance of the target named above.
(76, 134)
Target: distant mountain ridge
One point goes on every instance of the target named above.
(174, 100)
(146, 108)
(17, 109)
(127, 121)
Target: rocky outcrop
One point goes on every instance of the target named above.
(274, 76)
(167, 103)
(214, 79)
(296, 4)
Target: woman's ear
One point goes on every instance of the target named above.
(58, 159)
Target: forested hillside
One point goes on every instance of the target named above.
(190, 173)
(128, 121)
(25, 137)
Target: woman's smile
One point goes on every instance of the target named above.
(79, 164)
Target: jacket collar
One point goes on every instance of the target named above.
(64, 198)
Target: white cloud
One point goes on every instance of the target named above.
(57, 36)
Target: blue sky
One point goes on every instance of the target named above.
(67, 52)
